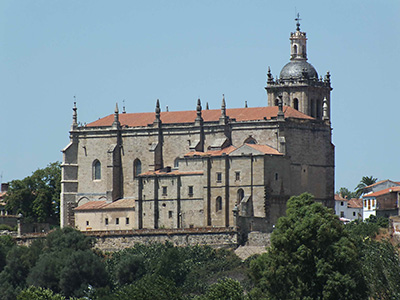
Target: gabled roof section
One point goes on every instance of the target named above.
(103, 205)
(255, 149)
(226, 151)
(338, 197)
(212, 115)
(355, 203)
(393, 189)
(380, 182)
(171, 173)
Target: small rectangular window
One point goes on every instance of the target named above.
(219, 177)
(106, 221)
(354, 213)
(164, 191)
(127, 221)
(87, 223)
(117, 221)
(190, 191)
(341, 203)
(342, 214)
(170, 214)
(237, 176)
(276, 176)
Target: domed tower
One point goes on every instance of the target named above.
(298, 84)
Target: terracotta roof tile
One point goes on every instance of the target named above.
(383, 192)
(121, 203)
(379, 182)
(226, 150)
(103, 205)
(172, 173)
(92, 205)
(338, 197)
(265, 149)
(355, 203)
(240, 114)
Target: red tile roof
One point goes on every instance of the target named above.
(226, 150)
(355, 203)
(265, 149)
(240, 114)
(92, 205)
(103, 205)
(383, 192)
(379, 182)
(172, 173)
(339, 197)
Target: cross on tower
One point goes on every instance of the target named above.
(298, 22)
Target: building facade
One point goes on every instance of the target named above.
(205, 168)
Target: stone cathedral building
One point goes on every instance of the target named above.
(207, 167)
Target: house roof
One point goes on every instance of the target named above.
(383, 192)
(103, 205)
(226, 150)
(171, 173)
(339, 197)
(171, 117)
(355, 203)
(379, 182)
(264, 149)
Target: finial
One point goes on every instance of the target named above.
(166, 108)
(198, 109)
(325, 114)
(74, 115)
(298, 22)
(207, 108)
(116, 124)
(327, 77)
(245, 104)
(158, 110)
(223, 106)
(280, 108)
(123, 107)
(270, 78)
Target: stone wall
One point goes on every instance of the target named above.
(110, 241)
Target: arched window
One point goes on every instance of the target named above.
(137, 167)
(218, 204)
(276, 102)
(240, 195)
(250, 140)
(96, 170)
(295, 49)
(176, 162)
(319, 109)
(313, 108)
(296, 103)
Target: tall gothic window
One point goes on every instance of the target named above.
(240, 195)
(96, 170)
(137, 167)
(296, 103)
(218, 204)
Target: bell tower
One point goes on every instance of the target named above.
(298, 84)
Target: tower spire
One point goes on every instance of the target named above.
(297, 19)
(116, 116)
(74, 115)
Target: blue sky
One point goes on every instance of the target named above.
(107, 51)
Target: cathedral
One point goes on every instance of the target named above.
(206, 168)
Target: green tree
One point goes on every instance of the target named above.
(150, 287)
(310, 257)
(365, 181)
(38, 293)
(346, 193)
(224, 289)
(37, 196)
